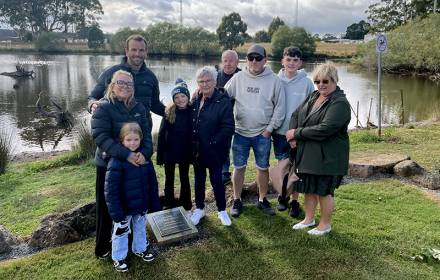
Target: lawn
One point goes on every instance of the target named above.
(378, 226)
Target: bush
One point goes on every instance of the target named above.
(5, 149)
(49, 42)
(85, 145)
(295, 36)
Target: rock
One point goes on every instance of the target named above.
(428, 180)
(367, 164)
(249, 189)
(407, 168)
(59, 229)
(7, 240)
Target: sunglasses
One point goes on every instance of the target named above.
(256, 57)
(317, 82)
(122, 83)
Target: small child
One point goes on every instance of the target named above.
(130, 191)
(174, 145)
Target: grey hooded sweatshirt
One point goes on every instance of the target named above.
(259, 101)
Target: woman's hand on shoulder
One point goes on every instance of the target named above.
(133, 158)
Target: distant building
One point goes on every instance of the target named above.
(8, 35)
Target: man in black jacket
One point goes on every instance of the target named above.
(146, 85)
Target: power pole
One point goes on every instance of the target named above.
(296, 14)
(181, 17)
(435, 6)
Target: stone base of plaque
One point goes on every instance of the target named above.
(171, 225)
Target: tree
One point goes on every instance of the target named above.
(48, 15)
(295, 36)
(95, 37)
(49, 42)
(231, 31)
(262, 36)
(274, 25)
(357, 31)
(389, 14)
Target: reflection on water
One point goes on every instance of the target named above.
(68, 79)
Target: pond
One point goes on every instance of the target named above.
(68, 79)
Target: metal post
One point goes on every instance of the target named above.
(435, 6)
(296, 14)
(379, 101)
(181, 12)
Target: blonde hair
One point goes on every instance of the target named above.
(128, 128)
(110, 94)
(326, 70)
(170, 111)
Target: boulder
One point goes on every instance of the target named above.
(59, 229)
(7, 240)
(368, 164)
(429, 180)
(407, 168)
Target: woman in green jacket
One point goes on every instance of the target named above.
(318, 130)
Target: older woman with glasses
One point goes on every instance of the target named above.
(116, 108)
(213, 126)
(318, 130)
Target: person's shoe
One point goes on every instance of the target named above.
(104, 256)
(317, 232)
(301, 225)
(295, 210)
(282, 203)
(224, 218)
(237, 206)
(120, 266)
(266, 207)
(197, 215)
(145, 256)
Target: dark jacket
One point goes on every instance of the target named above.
(223, 78)
(146, 87)
(130, 190)
(322, 138)
(106, 124)
(213, 127)
(174, 141)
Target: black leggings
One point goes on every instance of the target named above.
(103, 219)
(185, 189)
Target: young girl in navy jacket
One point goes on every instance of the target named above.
(174, 145)
(130, 192)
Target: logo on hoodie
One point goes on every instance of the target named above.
(253, 90)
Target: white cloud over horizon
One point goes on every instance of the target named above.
(331, 16)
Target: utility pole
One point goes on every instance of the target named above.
(435, 6)
(296, 14)
(181, 17)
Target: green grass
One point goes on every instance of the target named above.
(376, 227)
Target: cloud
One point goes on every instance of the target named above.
(332, 16)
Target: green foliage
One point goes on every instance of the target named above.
(411, 47)
(171, 39)
(95, 37)
(386, 15)
(231, 31)
(262, 36)
(295, 36)
(274, 25)
(5, 149)
(85, 145)
(49, 42)
(365, 137)
(357, 31)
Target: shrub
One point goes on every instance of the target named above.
(85, 145)
(49, 42)
(295, 36)
(5, 149)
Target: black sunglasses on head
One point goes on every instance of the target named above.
(257, 57)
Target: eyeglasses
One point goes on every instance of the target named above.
(122, 83)
(317, 82)
(256, 57)
(204, 81)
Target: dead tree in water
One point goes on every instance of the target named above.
(63, 117)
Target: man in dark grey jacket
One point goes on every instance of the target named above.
(146, 85)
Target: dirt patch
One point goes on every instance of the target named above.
(31, 156)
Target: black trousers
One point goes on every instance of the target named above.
(215, 176)
(185, 189)
(103, 219)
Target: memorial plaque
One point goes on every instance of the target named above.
(171, 225)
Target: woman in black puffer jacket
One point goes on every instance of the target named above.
(116, 108)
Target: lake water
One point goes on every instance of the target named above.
(68, 79)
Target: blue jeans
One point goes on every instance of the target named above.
(241, 146)
(281, 147)
(121, 230)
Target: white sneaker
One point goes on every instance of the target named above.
(197, 215)
(318, 232)
(302, 225)
(224, 218)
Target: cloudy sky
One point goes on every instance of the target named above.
(317, 16)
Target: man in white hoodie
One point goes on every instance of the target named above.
(296, 87)
(259, 109)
